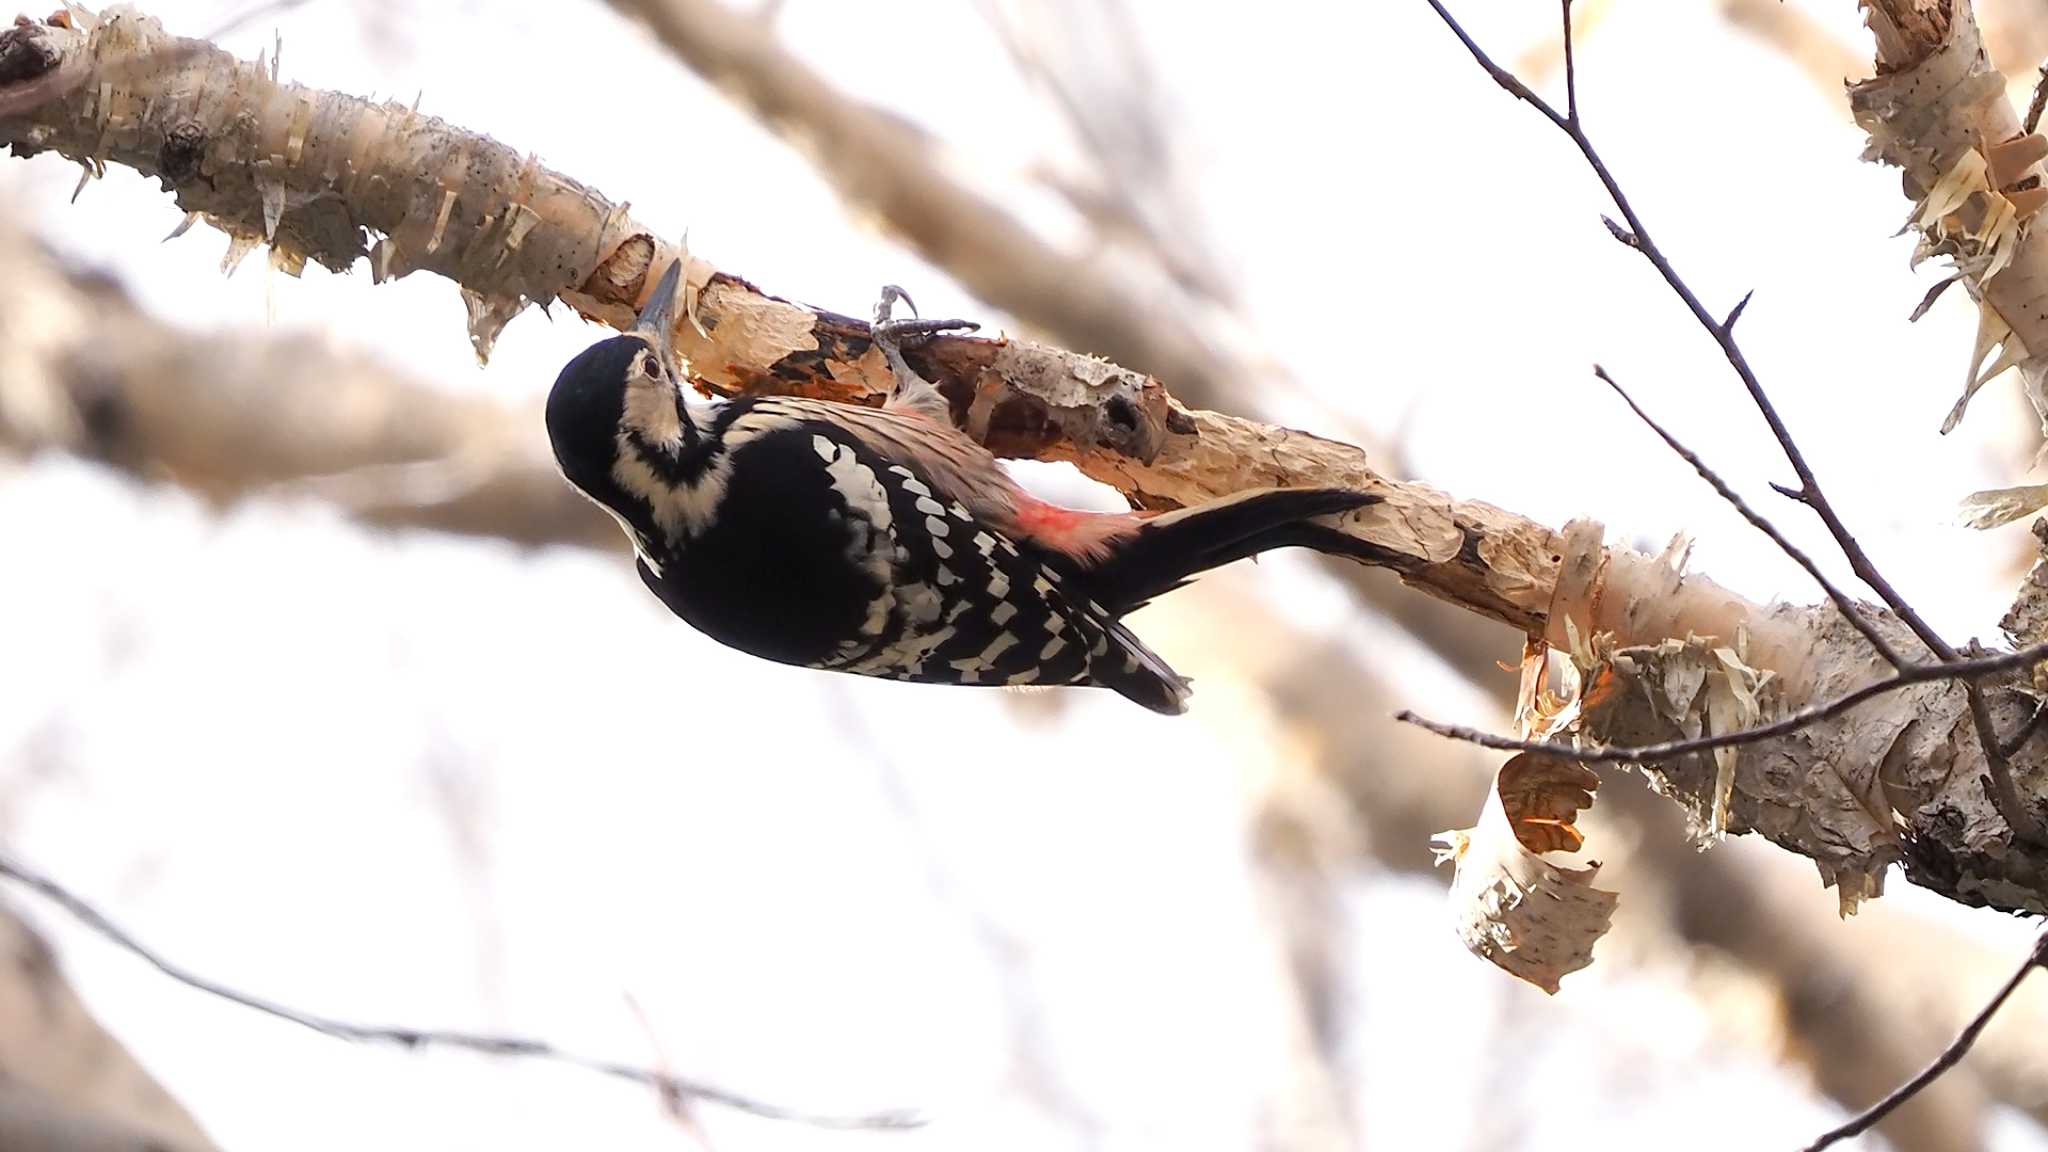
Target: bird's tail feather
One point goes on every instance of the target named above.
(1138, 673)
(1172, 547)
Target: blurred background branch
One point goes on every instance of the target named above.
(88, 372)
(66, 1084)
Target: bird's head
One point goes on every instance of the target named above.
(621, 397)
(617, 416)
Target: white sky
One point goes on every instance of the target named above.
(443, 782)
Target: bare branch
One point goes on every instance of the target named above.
(1571, 71)
(2004, 791)
(2027, 730)
(1637, 236)
(1950, 1056)
(1968, 668)
(1850, 610)
(1502, 76)
(1735, 313)
(487, 1044)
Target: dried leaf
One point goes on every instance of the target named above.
(1533, 919)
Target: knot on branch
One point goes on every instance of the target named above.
(25, 54)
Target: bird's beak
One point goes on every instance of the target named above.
(657, 320)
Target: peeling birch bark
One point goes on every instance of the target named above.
(1938, 111)
(1899, 779)
(1533, 918)
(329, 177)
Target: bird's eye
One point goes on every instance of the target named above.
(650, 366)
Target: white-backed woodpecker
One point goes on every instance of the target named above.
(885, 541)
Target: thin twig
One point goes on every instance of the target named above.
(1636, 236)
(1848, 607)
(2004, 792)
(1949, 1058)
(1571, 71)
(2019, 739)
(491, 1045)
(1735, 313)
(1966, 670)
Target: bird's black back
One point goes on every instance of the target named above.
(761, 577)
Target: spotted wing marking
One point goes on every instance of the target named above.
(978, 608)
(871, 544)
(971, 668)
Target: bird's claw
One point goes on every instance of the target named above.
(890, 295)
(891, 333)
(911, 390)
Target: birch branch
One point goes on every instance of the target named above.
(1937, 109)
(320, 174)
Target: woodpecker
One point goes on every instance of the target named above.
(884, 541)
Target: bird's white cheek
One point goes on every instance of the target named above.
(651, 411)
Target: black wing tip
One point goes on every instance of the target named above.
(1163, 697)
(1143, 677)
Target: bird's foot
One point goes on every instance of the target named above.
(890, 332)
(912, 391)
